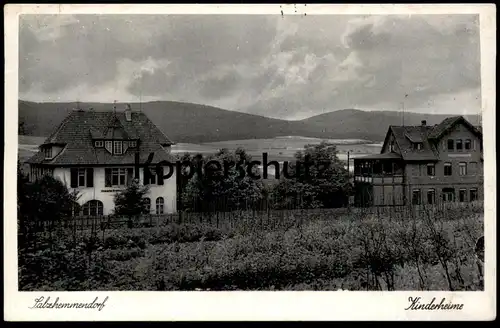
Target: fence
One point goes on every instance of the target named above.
(268, 219)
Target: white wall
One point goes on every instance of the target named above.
(106, 194)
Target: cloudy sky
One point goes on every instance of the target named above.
(287, 67)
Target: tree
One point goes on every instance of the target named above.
(318, 178)
(212, 189)
(44, 200)
(131, 201)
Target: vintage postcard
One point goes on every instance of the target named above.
(250, 162)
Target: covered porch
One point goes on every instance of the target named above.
(379, 180)
(379, 168)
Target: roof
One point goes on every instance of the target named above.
(407, 136)
(79, 128)
(440, 129)
(380, 156)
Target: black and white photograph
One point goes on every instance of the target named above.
(279, 151)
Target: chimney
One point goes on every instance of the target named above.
(128, 113)
(424, 122)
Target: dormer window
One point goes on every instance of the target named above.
(48, 152)
(99, 144)
(391, 146)
(418, 145)
(117, 147)
(109, 146)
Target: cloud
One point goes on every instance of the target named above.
(285, 67)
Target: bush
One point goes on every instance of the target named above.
(355, 252)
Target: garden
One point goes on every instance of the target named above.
(429, 250)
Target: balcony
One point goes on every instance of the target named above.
(380, 169)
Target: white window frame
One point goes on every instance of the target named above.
(82, 173)
(462, 168)
(48, 152)
(119, 172)
(160, 205)
(117, 150)
(109, 146)
(461, 143)
(132, 144)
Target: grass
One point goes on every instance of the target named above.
(354, 252)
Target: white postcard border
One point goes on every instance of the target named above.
(194, 306)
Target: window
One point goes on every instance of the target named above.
(418, 145)
(147, 205)
(459, 145)
(462, 168)
(431, 196)
(416, 197)
(109, 146)
(462, 195)
(81, 177)
(132, 144)
(473, 195)
(447, 169)
(99, 144)
(448, 194)
(118, 177)
(391, 146)
(451, 144)
(48, 152)
(468, 144)
(117, 148)
(431, 170)
(92, 208)
(159, 205)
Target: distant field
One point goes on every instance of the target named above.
(31, 140)
(278, 149)
(284, 148)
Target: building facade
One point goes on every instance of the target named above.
(422, 165)
(96, 154)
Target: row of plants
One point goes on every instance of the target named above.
(360, 252)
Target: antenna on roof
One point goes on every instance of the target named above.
(406, 96)
(140, 98)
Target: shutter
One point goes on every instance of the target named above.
(130, 175)
(107, 177)
(90, 177)
(159, 175)
(74, 178)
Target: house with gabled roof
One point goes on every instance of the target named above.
(96, 152)
(423, 165)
